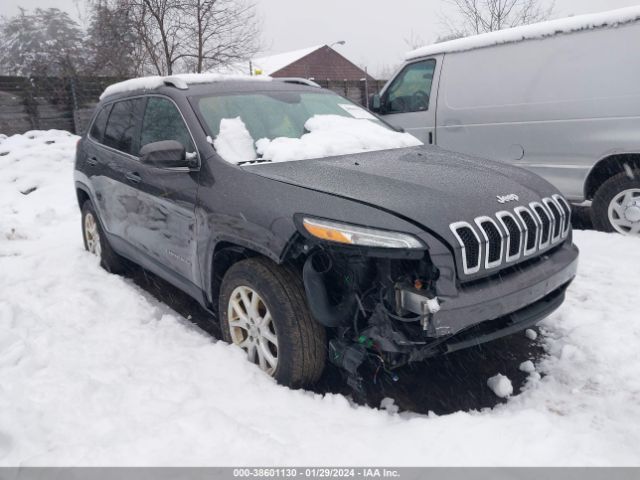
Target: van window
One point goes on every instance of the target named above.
(99, 124)
(411, 90)
(122, 125)
(162, 121)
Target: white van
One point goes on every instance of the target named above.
(560, 98)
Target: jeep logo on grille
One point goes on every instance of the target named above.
(508, 198)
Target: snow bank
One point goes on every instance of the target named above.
(550, 28)
(331, 135)
(95, 371)
(153, 82)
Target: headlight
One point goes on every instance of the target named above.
(354, 235)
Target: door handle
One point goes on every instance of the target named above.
(93, 161)
(133, 177)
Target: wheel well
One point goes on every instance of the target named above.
(607, 168)
(82, 196)
(224, 256)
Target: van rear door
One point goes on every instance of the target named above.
(409, 100)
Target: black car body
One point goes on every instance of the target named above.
(495, 250)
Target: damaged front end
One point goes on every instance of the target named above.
(387, 307)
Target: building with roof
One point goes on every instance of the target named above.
(321, 63)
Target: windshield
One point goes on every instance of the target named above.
(286, 125)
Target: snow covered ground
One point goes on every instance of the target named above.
(95, 371)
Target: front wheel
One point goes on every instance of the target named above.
(616, 204)
(264, 311)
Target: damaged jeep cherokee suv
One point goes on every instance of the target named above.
(312, 230)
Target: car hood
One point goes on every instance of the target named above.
(426, 185)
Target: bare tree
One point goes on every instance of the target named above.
(480, 16)
(193, 35)
(414, 40)
(159, 25)
(112, 42)
(219, 32)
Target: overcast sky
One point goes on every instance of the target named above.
(375, 30)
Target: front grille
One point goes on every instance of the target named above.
(557, 215)
(531, 229)
(545, 221)
(514, 235)
(566, 209)
(523, 232)
(493, 240)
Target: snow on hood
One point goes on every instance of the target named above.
(329, 135)
(153, 82)
(528, 32)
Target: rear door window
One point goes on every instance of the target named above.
(122, 126)
(163, 121)
(411, 90)
(99, 124)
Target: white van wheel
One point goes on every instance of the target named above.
(616, 205)
(624, 212)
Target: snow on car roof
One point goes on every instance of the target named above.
(550, 28)
(153, 82)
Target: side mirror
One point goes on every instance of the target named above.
(375, 103)
(165, 154)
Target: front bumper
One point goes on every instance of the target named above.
(506, 293)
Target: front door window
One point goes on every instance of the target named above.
(411, 90)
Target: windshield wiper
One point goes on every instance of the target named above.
(251, 162)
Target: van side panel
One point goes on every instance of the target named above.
(555, 106)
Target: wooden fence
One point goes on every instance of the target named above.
(42, 103)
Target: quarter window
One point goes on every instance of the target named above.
(99, 124)
(411, 90)
(162, 121)
(122, 125)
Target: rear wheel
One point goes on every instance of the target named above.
(264, 311)
(616, 204)
(95, 241)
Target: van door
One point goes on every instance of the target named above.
(409, 100)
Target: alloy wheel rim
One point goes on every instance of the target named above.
(624, 212)
(252, 328)
(92, 235)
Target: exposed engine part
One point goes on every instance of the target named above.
(379, 310)
(315, 272)
(415, 300)
(349, 357)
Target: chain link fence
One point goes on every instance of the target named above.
(43, 103)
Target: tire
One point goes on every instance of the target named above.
(300, 350)
(616, 204)
(95, 241)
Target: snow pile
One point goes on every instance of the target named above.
(527, 367)
(95, 371)
(153, 82)
(331, 135)
(550, 28)
(500, 385)
(34, 173)
(234, 142)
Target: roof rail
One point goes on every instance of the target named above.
(176, 82)
(299, 81)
